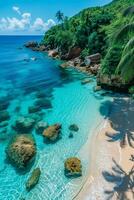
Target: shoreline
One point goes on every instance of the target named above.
(101, 152)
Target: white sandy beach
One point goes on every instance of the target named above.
(101, 152)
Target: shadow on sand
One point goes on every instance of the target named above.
(121, 117)
(122, 182)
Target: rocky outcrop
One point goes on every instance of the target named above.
(112, 82)
(73, 167)
(21, 150)
(73, 53)
(40, 127)
(31, 44)
(73, 127)
(53, 53)
(4, 116)
(24, 125)
(52, 133)
(93, 59)
(33, 179)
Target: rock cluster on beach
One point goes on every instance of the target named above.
(21, 150)
(33, 179)
(73, 167)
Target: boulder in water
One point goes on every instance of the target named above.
(21, 150)
(73, 167)
(52, 133)
(33, 179)
(73, 127)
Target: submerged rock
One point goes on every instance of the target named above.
(43, 103)
(71, 135)
(52, 133)
(4, 116)
(4, 103)
(21, 150)
(97, 88)
(34, 109)
(40, 127)
(85, 81)
(40, 94)
(3, 124)
(73, 127)
(24, 124)
(33, 179)
(73, 167)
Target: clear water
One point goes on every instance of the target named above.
(72, 102)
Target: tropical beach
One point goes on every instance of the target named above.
(67, 100)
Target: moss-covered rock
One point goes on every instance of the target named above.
(21, 150)
(73, 127)
(52, 133)
(73, 167)
(33, 179)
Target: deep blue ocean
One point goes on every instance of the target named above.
(21, 77)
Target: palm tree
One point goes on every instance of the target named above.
(125, 67)
(123, 182)
(60, 16)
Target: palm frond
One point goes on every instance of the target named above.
(128, 11)
(121, 34)
(128, 46)
(126, 67)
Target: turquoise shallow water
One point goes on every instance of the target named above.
(72, 103)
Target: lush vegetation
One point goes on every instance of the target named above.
(108, 30)
(119, 59)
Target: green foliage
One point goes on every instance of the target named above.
(128, 11)
(119, 59)
(131, 90)
(108, 30)
(111, 60)
(84, 53)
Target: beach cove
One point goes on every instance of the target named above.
(71, 103)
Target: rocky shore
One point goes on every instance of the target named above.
(90, 64)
